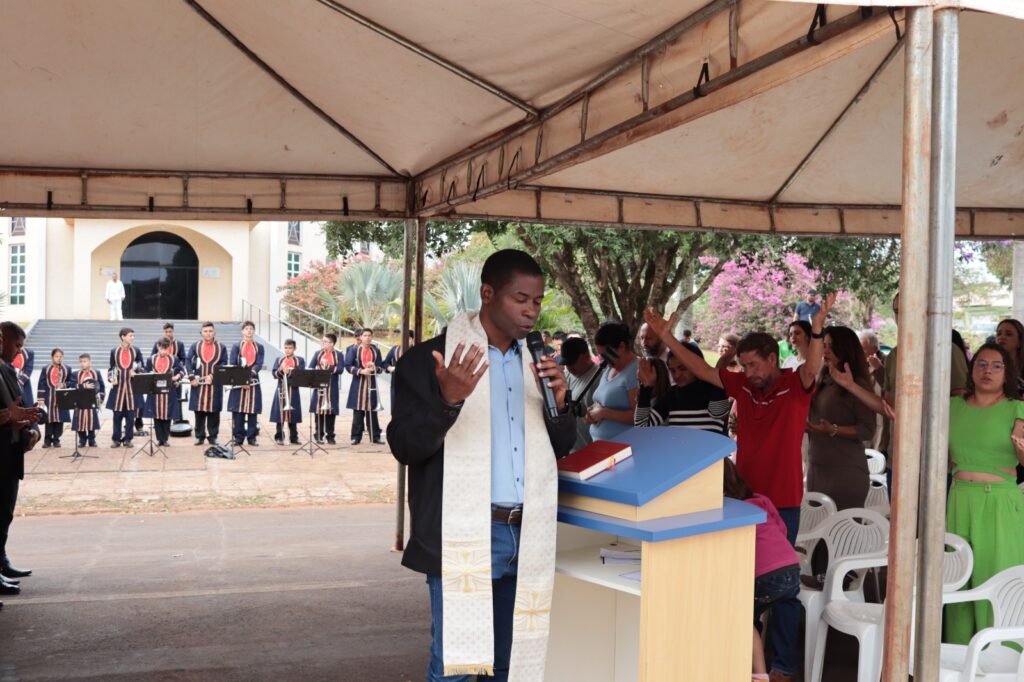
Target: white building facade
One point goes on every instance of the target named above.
(55, 268)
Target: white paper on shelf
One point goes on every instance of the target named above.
(635, 575)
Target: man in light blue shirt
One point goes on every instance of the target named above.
(507, 435)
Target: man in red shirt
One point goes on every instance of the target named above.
(771, 409)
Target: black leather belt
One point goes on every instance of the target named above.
(513, 516)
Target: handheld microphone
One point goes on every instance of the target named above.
(535, 344)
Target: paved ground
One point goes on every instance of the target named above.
(282, 594)
(186, 479)
(296, 594)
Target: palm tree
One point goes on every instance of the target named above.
(368, 292)
(457, 292)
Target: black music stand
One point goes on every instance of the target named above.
(76, 399)
(236, 377)
(151, 384)
(315, 379)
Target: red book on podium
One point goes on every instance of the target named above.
(588, 462)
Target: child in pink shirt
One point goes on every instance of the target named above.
(776, 584)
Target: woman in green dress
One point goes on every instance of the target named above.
(985, 506)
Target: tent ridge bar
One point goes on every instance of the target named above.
(433, 57)
(814, 205)
(153, 173)
(599, 143)
(283, 82)
(635, 57)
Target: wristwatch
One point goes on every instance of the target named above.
(835, 431)
(819, 335)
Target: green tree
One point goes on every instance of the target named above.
(342, 238)
(868, 268)
(369, 292)
(615, 274)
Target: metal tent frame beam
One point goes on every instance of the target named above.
(566, 133)
(242, 195)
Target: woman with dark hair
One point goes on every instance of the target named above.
(985, 506)
(1010, 335)
(653, 373)
(611, 413)
(838, 424)
(690, 402)
(798, 337)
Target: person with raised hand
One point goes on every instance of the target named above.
(772, 405)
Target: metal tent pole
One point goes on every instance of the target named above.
(912, 342)
(945, 67)
(421, 256)
(411, 225)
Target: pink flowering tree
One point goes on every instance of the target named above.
(759, 293)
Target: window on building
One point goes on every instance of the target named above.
(295, 232)
(294, 264)
(17, 227)
(16, 292)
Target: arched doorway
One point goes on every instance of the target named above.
(160, 271)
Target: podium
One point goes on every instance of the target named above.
(690, 614)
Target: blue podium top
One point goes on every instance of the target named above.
(733, 514)
(663, 457)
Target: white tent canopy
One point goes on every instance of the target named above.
(580, 111)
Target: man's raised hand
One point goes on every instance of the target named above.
(459, 378)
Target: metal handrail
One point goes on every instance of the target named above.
(257, 314)
(345, 331)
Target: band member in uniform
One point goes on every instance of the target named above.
(86, 422)
(125, 362)
(55, 376)
(163, 407)
(364, 362)
(278, 414)
(394, 354)
(323, 403)
(246, 402)
(24, 362)
(177, 348)
(206, 399)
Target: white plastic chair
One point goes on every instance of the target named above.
(866, 622)
(876, 461)
(997, 663)
(850, 533)
(814, 509)
(877, 498)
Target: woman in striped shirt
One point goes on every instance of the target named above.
(691, 403)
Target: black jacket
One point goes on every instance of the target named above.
(419, 422)
(12, 455)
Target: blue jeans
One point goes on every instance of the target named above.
(504, 563)
(777, 591)
(791, 517)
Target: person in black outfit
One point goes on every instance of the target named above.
(18, 434)
(428, 400)
(692, 403)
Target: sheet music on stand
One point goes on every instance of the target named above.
(76, 399)
(151, 383)
(234, 377)
(314, 379)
